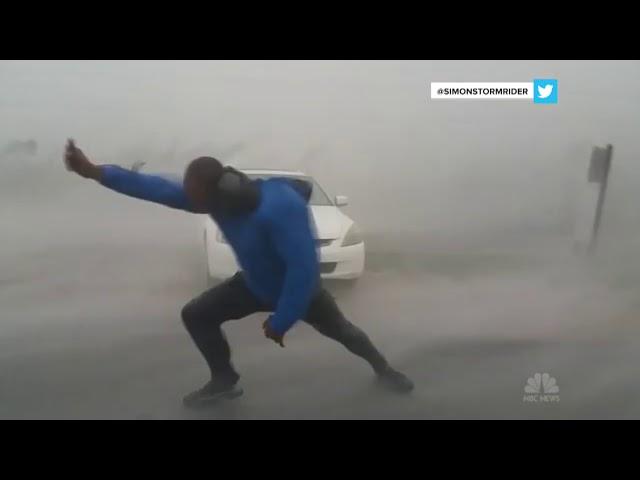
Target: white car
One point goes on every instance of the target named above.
(340, 242)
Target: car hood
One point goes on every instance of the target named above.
(330, 222)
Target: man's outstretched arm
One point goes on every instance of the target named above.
(152, 188)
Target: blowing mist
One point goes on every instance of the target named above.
(474, 216)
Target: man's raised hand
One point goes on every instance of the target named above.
(76, 161)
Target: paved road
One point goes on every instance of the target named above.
(90, 329)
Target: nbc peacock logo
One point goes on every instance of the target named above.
(541, 388)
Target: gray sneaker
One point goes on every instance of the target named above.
(395, 381)
(212, 392)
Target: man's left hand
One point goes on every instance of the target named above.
(269, 333)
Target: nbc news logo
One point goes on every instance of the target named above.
(541, 382)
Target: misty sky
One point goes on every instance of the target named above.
(366, 129)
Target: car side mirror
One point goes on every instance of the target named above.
(342, 201)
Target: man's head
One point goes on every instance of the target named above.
(212, 188)
(201, 180)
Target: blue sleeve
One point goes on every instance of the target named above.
(153, 188)
(290, 231)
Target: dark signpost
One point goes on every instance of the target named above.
(599, 173)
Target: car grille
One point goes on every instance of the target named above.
(328, 267)
(323, 243)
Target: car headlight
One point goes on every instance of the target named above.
(220, 237)
(353, 236)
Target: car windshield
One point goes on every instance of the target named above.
(318, 196)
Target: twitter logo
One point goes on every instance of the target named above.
(545, 90)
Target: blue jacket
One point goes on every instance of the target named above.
(274, 244)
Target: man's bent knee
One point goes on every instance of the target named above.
(189, 314)
(195, 314)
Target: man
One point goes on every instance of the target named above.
(267, 224)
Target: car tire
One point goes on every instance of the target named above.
(351, 283)
(342, 287)
(209, 281)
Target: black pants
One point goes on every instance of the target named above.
(204, 315)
